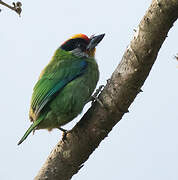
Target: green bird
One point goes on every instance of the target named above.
(65, 85)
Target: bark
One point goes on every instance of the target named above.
(69, 155)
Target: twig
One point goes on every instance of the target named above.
(16, 6)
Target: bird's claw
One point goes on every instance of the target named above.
(64, 134)
(94, 97)
(97, 100)
(98, 90)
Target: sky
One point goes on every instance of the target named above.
(143, 145)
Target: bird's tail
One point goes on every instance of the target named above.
(30, 129)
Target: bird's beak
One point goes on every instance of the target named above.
(94, 41)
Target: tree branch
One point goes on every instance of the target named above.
(16, 6)
(68, 156)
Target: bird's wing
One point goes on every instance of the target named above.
(53, 80)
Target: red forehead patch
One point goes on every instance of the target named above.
(82, 36)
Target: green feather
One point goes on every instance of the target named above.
(64, 87)
(51, 83)
(30, 129)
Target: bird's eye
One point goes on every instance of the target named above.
(82, 46)
(74, 43)
(78, 45)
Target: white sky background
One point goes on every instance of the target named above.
(142, 146)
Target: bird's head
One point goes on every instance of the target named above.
(82, 46)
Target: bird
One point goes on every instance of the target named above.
(65, 85)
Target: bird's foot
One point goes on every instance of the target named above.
(97, 100)
(64, 133)
(94, 97)
(98, 91)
